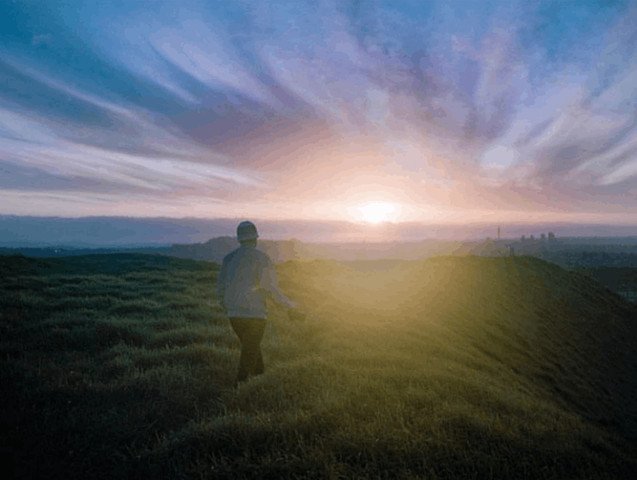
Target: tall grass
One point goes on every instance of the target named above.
(122, 366)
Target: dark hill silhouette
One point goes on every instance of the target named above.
(216, 248)
(282, 250)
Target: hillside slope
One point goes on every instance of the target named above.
(525, 320)
(121, 366)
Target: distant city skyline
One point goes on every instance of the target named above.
(377, 114)
(127, 231)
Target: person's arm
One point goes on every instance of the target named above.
(270, 284)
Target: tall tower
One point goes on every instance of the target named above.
(498, 232)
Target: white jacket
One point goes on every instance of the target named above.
(247, 277)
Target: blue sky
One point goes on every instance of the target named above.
(448, 111)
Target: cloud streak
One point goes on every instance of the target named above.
(440, 107)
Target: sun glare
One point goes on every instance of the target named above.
(377, 212)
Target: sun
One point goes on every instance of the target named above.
(377, 212)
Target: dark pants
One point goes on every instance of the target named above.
(250, 333)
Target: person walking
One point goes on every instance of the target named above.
(246, 279)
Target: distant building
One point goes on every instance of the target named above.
(543, 237)
(551, 237)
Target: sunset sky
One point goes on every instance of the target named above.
(368, 111)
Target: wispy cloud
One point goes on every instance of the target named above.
(466, 105)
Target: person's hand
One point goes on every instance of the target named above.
(296, 315)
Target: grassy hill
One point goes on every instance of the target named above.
(622, 280)
(121, 366)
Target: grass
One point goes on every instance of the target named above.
(622, 280)
(120, 366)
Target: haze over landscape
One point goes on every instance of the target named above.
(445, 193)
(364, 114)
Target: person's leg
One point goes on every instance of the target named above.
(259, 368)
(254, 360)
(239, 326)
(250, 333)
